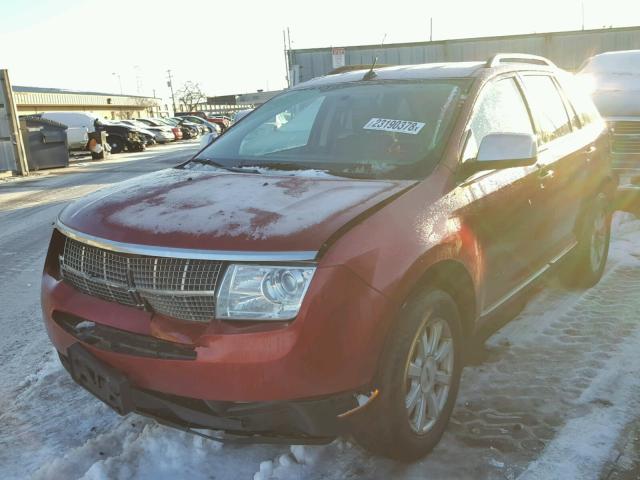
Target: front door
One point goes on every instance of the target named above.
(503, 211)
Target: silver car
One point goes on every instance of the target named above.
(614, 81)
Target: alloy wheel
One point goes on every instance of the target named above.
(598, 238)
(428, 374)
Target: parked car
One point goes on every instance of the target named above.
(189, 130)
(157, 123)
(149, 136)
(240, 114)
(222, 121)
(120, 137)
(200, 127)
(211, 127)
(162, 134)
(614, 81)
(78, 128)
(319, 269)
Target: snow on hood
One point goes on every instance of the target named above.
(226, 211)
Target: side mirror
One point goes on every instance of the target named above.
(503, 150)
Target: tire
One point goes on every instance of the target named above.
(584, 266)
(137, 147)
(408, 384)
(116, 144)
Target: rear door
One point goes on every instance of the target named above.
(564, 172)
(502, 212)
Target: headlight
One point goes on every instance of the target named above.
(259, 292)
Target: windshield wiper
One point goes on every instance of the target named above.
(277, 166)
(213, 163)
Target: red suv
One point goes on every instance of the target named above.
(320, 268)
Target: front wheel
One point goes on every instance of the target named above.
(418, 380)
(585, 264)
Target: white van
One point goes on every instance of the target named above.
(79, 124)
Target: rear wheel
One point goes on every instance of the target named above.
(585, 264)
(116, 144)
(418, 380)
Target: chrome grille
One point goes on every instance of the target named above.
(626, 137)
(626, 128)
(176, 287)
(620, 144)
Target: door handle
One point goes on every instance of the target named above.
(590, 149)
(545, 173)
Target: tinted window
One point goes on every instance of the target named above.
(547, 106)
(499, 109)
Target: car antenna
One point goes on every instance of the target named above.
(370, 73)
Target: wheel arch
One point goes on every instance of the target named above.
(452, 277)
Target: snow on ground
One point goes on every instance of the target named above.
(548, 396)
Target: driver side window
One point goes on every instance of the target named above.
(500, 109)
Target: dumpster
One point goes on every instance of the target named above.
(45, 142)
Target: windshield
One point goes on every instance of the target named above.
(372, 129)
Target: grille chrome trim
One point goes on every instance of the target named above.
(626, 137)
(185, 253)
(180, 288)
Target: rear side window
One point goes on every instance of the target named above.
(500, 109)
(580, 99)
(547, 106)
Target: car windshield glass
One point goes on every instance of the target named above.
(386, 129)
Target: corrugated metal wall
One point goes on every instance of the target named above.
(81, 99)
(567, 49)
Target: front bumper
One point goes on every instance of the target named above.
(627, 167)
(312, 421)
(332, 347)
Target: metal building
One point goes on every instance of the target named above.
(567, 49)
(32, 100)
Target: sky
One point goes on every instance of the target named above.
(231, 47)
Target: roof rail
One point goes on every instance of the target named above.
(499, 58)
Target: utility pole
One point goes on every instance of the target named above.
(291, 80)
(582, 15)
(286, 58)
(431, 29)
(119, 80)
(138, 81)
(170, 85)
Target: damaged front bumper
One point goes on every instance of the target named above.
(311, 421)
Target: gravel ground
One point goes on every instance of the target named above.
(553, 394)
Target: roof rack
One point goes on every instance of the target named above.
(499, 58)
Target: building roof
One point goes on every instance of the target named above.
(24, 89)
(479, 38)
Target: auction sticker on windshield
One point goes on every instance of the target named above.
(390, 125)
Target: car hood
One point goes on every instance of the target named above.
(220, 210)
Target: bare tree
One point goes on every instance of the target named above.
(190, 95)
